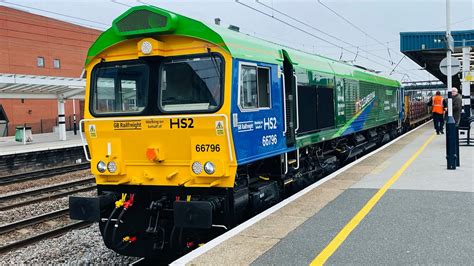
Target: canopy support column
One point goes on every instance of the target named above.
(61, 119)
(74, 115)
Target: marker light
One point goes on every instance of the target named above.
(112, 166)
(101, 166)
(147, 47)
(209, 168)
(197, 168)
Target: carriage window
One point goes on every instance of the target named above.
(191, 84)
(248, 89)
(263, 87)
(254, 87)
(120, 88)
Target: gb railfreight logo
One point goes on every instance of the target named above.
(128, 125)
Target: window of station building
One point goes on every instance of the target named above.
(40, 61)
(254, 87)
(57, 63)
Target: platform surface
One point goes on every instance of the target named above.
(425, 217)
(41, 142)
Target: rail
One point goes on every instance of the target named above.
(33, 220)
(43, 173)
(4, 200)
(45, 235)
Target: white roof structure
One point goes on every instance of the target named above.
(19, 86)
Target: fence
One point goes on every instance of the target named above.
(44, 125)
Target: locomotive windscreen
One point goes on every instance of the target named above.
(191, 84)
(119, 88)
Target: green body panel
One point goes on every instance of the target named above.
(355, 115)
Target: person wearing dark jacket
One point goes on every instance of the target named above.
(457, 105)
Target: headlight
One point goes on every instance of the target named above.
(112, 166)
(101, 166)
(147, 47)
(197, 168)
(209, 168)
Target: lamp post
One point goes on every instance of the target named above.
(451, 131)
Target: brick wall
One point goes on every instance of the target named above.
(23, 38)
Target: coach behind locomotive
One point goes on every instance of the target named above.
(191, 128)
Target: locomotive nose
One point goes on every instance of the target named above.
(163, 151)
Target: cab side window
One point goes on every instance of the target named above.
(254, 87)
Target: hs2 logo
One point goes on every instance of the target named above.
(269, 123)
(181, 123)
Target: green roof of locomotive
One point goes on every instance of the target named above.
(141, 21)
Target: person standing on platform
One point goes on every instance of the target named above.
(438, 106)
(457, 105)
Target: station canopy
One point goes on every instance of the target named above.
(427, 49)
(19, 86)
(429, 85)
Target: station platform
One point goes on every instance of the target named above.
(397, 205)
(41, 142)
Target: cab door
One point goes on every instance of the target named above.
(290, 99)
(257, 111)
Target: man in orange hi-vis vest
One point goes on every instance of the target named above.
(438, 107)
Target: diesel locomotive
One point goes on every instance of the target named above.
(191, 128)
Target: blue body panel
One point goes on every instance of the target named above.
(258, 133)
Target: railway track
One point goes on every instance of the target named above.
(33, 220)
(14, 200)
(45, 235)
(45, 193)
(15, 178)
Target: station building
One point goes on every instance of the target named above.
(41, 64)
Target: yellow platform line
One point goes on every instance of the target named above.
(354, 222)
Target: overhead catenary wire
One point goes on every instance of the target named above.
(30, 21)
(379, 42)
(397, 65)
(59, 14)
(307, 32)
(291, 25)
(332, 36)
(119, 3)
(319, 38)
(365, 33)
(323, 32)
(358, 28)
(456, 22)
(370, 36)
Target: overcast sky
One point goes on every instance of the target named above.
(382, 20)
